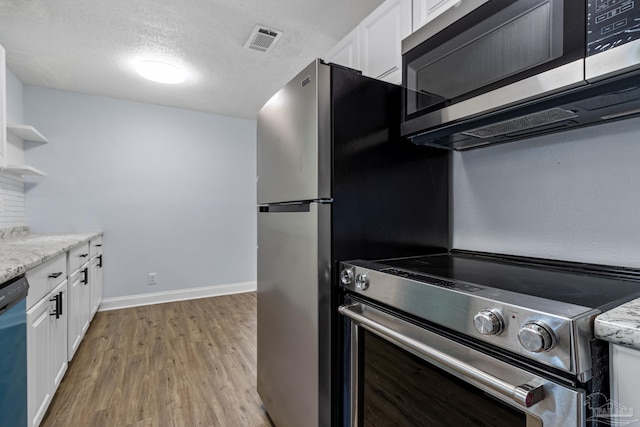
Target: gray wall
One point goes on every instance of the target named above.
(173, 190)
(573, 195)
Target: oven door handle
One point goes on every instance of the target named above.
(525, 394)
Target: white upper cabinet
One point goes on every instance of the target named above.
(374, 46)
(426, 10)
(347, 51)
(13, 136)
(381, 35)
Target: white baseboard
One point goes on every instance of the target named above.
(179, 295)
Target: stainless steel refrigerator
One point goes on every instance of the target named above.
(335, 182)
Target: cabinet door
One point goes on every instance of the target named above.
(38, 360)
(95, 246)
(347, 51)
(78, 256)
(625, 378)
(426, 10)
(85, 302)
(381, 35)
(95, 283)
(45, 277)
(58, 340)
(75, 311)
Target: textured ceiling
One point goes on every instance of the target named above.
(90, 46)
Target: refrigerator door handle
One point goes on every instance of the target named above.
(302, 206)
(298, 207)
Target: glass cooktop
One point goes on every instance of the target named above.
(581, 284)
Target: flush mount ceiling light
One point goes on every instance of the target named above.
(160, 72)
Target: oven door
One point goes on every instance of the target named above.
(400, 374)
(500, 54)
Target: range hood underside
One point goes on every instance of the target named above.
(609, 100)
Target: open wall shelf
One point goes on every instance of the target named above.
(24, 170)
(26, 133)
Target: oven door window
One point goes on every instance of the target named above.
(400, 389)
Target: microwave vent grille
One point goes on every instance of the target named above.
(529, 121)
(611, 99)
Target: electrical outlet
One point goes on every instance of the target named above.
(153, 279)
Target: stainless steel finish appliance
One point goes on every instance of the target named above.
(479, 75)
(512, 335)
(613, 38)
(329, 149)
(13, 356)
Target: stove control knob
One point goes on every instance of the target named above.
(536, 337)
(488, 322)
(362, 282)
(347, 276)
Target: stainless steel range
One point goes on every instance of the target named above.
(477, 339)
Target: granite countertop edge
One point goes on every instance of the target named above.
(620, 325)
(20, 254)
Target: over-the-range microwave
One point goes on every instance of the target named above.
(490, 71)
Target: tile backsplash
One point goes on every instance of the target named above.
(12, 204)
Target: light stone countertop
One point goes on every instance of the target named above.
(22, 253)
(620, 325)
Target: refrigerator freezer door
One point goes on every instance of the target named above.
(293, 275)
(294, 140)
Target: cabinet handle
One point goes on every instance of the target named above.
(58, 310)
(55, 310)
(98, 245)
(85, 280)
(83, 255)
(55, 275)
(100, 257)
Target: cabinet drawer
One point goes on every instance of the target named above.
(78, 256)
(95, 246)
(43, 278)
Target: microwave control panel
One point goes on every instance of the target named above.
(611, 23)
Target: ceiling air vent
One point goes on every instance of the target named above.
(263, 39)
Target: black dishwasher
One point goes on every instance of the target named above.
(13, 352)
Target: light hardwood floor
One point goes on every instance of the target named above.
(189, 363)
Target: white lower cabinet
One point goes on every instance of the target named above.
(46, 351)
(78, 307)
(95, 276)
(59, 334)
(59, 310)
(625, 377)
(38, 343)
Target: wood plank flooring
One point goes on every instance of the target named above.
(189, 363)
